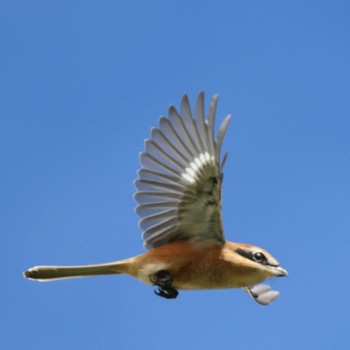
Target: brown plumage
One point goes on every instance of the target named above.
(179, 197)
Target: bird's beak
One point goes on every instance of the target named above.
(279, 271)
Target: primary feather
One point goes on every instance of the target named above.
(179, 183)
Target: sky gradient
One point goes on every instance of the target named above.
(82, 83)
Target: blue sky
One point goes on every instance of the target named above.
(82, 83)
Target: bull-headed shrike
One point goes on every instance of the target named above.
(179, 202)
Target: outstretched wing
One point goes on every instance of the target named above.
(179, 184)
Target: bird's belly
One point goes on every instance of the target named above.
(207, 275)
(193, 267)
(191, 277)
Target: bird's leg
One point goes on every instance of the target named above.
(163, 281)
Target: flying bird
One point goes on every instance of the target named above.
(179, 202)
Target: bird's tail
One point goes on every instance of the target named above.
(50, 273)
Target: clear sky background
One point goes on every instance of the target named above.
(82, 83)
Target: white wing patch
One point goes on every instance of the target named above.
(191, 172)
(179, 184)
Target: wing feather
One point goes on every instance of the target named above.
(179, 183)
(192, 125)
(179, 123)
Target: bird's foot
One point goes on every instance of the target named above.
(262, 293)
(168, 293)
(163, 281)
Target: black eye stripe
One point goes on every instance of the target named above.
(244, 253)
(257, 256)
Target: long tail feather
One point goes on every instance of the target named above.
(49, 273)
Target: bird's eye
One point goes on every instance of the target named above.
(259, 257)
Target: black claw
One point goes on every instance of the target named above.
(168, 293)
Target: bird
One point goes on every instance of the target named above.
(179, 203)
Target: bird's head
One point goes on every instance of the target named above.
(260, 259)
(254, 262)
